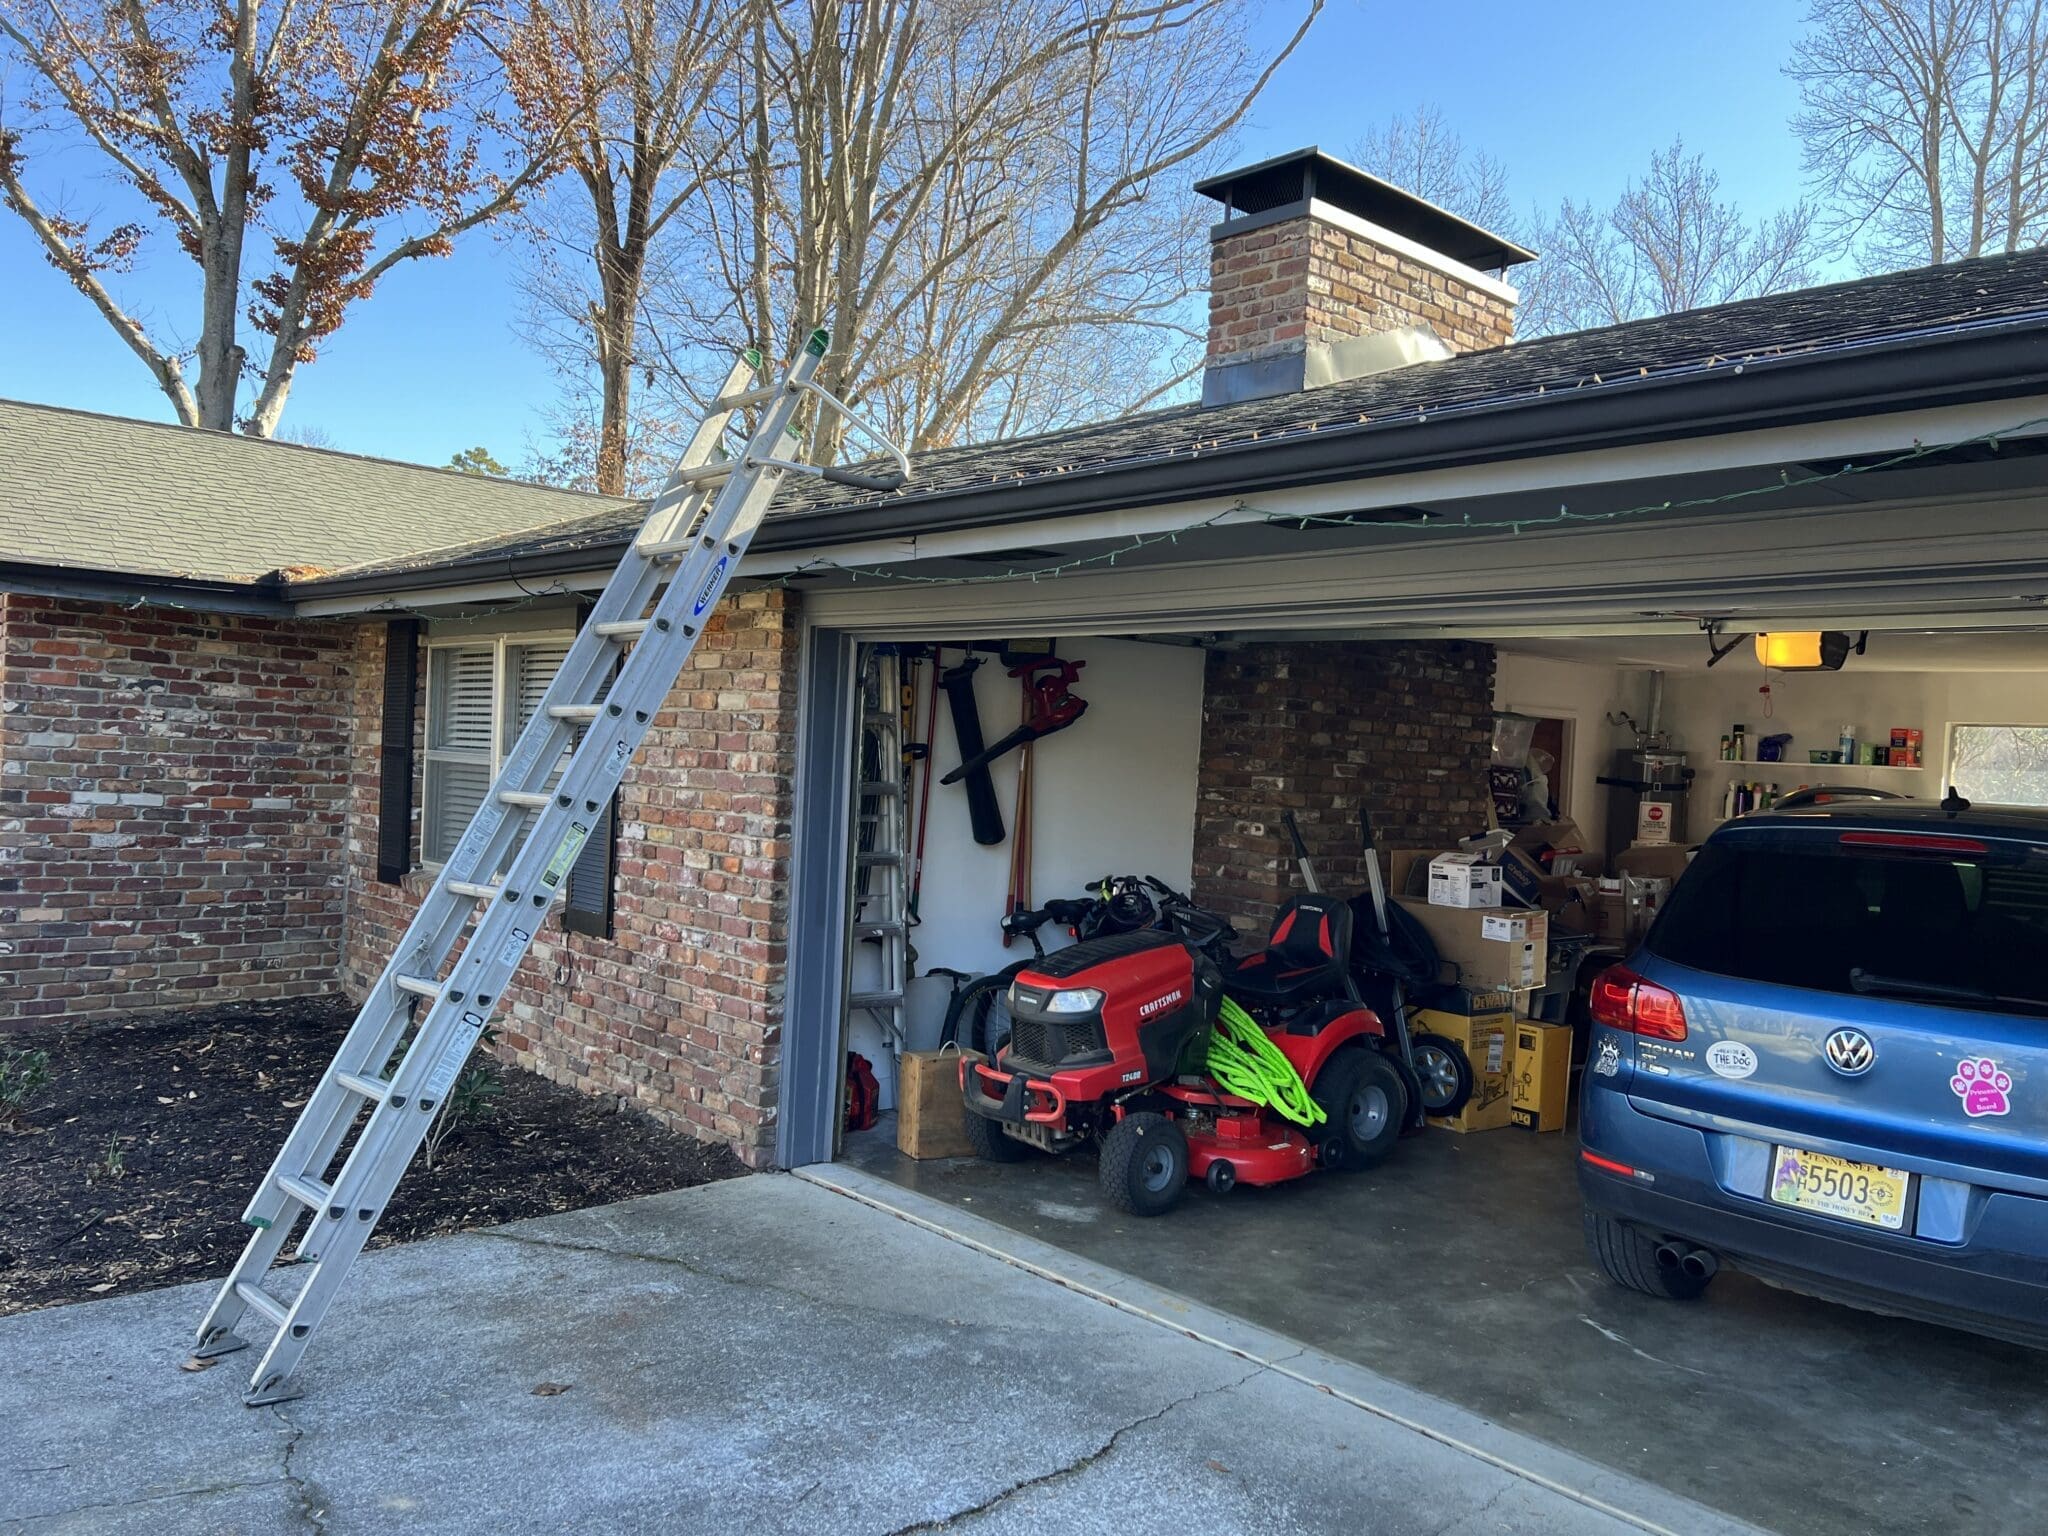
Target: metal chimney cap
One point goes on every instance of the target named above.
(1302, 174)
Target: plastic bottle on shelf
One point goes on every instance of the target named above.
(1727, 746)
(1848, 743)
(1739, 740)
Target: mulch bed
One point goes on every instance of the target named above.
(131, 1167)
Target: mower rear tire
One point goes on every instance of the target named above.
(991, 1143)
(1362, 1093)
(1144, 1164)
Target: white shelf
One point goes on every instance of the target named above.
(1810, 769)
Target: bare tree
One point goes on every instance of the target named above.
(1668, 243)
(1925, 125)
(351, 135)
(643, 71)
(1423, 154)
(985, 197)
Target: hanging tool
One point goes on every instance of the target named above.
(449, 973)
(1019, 896)
(924, 789)
(1052, 706)
(982, 809)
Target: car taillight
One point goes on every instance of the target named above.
(1623, 1000)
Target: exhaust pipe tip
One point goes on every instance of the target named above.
(1699, 1264)
(1670, 1256)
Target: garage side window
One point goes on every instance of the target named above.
(480, 695)
(1999, 764)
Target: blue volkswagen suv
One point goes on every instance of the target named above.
(1828, 1065)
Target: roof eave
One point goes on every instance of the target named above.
(263, 595)
(1910, 373)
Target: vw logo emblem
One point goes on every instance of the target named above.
(1850, 1052)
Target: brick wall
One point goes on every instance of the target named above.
(1313, 727)
(1307, 280)
(681, 1011)
(172, 808)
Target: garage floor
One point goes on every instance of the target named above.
(1457, 1268)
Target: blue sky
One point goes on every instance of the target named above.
(1572, 98)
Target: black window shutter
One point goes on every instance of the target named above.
(588, 908)
(395, 760)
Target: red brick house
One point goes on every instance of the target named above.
(224, 776)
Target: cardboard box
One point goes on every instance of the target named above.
(1521, 876)
(1515, 927)
(1463, 880)
(1608, 909)
(1554, 847)
(1487, 1039)
(1474, 960)
(1542, 1088)
(1569, 901)
(1653, 863)
(1653, 822)
(928, 1112)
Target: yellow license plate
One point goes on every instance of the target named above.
(1860, 1192)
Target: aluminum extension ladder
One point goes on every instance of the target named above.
(881, 860)
(509, 868)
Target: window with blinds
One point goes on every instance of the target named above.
(480, 695)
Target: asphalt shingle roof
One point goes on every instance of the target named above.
(1807, 322)
(105, 493)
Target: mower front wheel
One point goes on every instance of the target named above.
(991, 1143)
(1144, 1164)
(1362, 1093)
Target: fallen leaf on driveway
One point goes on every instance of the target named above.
(102, 1287)
(197, 1364)
(1217, 1466)
(551, 1388)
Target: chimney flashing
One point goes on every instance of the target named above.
(1330, 213)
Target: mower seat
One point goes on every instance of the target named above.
(1305, 958)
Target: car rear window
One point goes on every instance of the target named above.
(1960, 931)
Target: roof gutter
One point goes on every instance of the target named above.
(127, 589)
(1950, 367)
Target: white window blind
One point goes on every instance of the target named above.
(480, 695)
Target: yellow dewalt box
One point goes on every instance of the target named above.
(1487, 1039)
(1543, 1074)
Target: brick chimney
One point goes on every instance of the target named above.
(1320, 272)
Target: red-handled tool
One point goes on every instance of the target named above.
(1048, 682)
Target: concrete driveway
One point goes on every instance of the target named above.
(768, 1354)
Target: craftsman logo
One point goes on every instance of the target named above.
(1146, 1010)
(710, 586)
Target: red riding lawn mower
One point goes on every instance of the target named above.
(1111, 1041)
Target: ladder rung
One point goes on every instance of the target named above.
(425, 986)
(717, 472)
(622, 629)
(878, 858)
(877, 718)
(746, 398)
(875, 1000)
(670, 549)
(524, 798)
(877, 930)
(368, 1087)
(881, 787)
(573, 711)
(475, 888)
(260, 1299)
(310, 1193)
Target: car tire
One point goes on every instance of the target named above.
(1144, 1164)
(991, 1143)
(1362, 1094)
(1628, 1257)
(1445, 1072)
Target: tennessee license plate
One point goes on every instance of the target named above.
(1860, 1192)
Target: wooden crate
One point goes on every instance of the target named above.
(928, 1108)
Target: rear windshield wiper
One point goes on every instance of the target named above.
(1869, 983)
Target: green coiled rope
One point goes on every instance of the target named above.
(1244, 1060)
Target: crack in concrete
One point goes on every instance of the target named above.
(1080, 1464)
(148, 1498)
(311, 1510)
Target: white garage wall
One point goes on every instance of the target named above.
(1584, 693)
(1814, 706)
(1113, 794)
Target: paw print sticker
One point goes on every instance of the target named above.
(1983, 1087)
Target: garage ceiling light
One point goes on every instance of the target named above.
(1807, 650)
